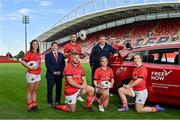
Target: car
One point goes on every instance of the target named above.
(163, 65)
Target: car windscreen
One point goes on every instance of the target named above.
(164, 56)
(158, 56)
(130, 56)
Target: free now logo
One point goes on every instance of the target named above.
(160, 75)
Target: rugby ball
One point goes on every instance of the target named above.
(105, 84)
(33, 64)
(82, 34)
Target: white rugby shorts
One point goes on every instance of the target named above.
(31, 78)
(141, 96)
(73, 98)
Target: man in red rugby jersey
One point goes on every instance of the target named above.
(113, 43)
(73, 47)
(75, 85)
(118, 58)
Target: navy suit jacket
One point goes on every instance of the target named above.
(53, 66)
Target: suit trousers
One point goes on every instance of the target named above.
(54, 80)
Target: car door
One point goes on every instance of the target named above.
(163, 81)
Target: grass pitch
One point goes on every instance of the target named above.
(13, 100)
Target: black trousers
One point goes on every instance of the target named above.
(50, 85)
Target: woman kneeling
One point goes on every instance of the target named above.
(137, 88)
(103, 74)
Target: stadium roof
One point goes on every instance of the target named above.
(64, 27)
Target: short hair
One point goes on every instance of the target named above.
(103, 57)
(138, 54)
(73, 34)
(74, 54)
(101, 36)
(54, 43)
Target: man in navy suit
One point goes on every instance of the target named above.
(55, 64)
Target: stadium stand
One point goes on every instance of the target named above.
(144, 32)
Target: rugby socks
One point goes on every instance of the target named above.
(29, 105)
(34, 103)
(153, 109)
(64, 108)
(101, 104)
(125, 104)
(89, 101)
(97, 99)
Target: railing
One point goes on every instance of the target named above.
(93, 6)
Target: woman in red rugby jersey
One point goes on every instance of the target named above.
(103, 73)
(33, 75)
(137, 88)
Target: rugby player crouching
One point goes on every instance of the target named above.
(103, 73)
(76, 85)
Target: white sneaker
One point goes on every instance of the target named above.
(80, 99)
(101, 108)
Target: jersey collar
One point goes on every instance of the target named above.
(140, 66)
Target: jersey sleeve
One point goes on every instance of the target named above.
(96, 74)
(66, 49)
(111, 73)
(80, 51)
(68, 71)
(26, 57)
(142, 73)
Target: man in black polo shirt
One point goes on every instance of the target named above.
(99, 50)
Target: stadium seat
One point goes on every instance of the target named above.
(158, 29)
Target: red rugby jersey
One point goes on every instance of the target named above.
(140, 72)
(33, 56)
(117, 59)
(72, 48)
(118, 47)
(76, 72)
(103, 75)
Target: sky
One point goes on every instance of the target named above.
(43, 15)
